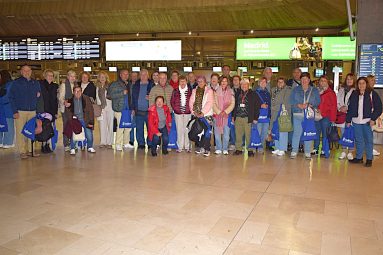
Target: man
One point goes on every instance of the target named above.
(155, 78)
(296, 80)
(23, 97)
(162, 89)
(80, 107)
(192, 82)
(268, 73)
(117, 92)
(237, 90)
(140, 94)
(133, 77)
(174, 79)
(226, 72)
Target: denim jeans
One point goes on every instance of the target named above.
(157, 139)
(88, 136)
(281, 144)
(297, 123)
(222, 140)
(263, 129)
(131, 139)
(232, 135)
(141, 120)
(363, 140)
(321, 126)
(6, 138)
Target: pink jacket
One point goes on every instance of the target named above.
(207, 101)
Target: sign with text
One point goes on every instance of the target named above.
(371, 62)
(336, 48)
(265, 48)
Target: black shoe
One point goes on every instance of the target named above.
(141, 147)
(237, 152)
(131, 143)
(289, 147)
(43, 150)
(47, 148)
(356, 161)
(301, 149)
(154, 153)
(368, 163)
(165, 152)
(250, 153)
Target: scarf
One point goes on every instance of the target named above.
(101, 94)
(68, 89)
(223, 100)
(173, 84)
(197, 107)
(183, 95)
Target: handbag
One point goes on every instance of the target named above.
(263, 112)
(173, 136)
(308, 127)
(96, 108)
(79, 137)
(3, 122)
(332, 134)
(284, 120)
(255, 138)
(126, 115)
(340, 117)
(348, 137)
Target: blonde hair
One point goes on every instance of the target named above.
(245, 80)
(46, 71)
(86, 73)
(71, 72)
(98, 83)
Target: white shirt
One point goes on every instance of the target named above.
(359, 119)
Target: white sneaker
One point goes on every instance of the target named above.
(218, 152)
(342, 155)
(118, 148)
(225, 153)
(281, 153)
(179, 150)
(293, 155)
(91, 150)
(374, 152)
(350, 156)
(1, 145)
(128, 146)
(8, 146)
(206, 153)
(275, 152)
(67, 148)
(307, 155)
(200, 151)
(72, 152)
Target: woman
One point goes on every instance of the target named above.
(301, 98)
(245, 114)
(6, 138)
(159, 122)
(214, 81)
(371, 80)
(265, 98)
(87, 86)
(224, 103)
(343, 97)
(327, 109)
(364, 108)
(49, 95)
(280, 98)
(182, 114)
(201, 105)
(107, 114)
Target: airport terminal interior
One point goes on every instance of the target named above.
(137, 199)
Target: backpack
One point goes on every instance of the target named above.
(47, 131)
(197, 129)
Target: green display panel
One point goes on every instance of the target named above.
(336, 48)
(264, 48)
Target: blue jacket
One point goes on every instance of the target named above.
(297, 96)
(367, 106)
(5, 105)
(265, 98)
(23, 95)
(136, 92)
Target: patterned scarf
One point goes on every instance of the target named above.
(101, 94)
(197, 107)
(224, 100)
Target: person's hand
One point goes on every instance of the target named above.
(343, 109)
(302, 106)
(170, 124)
(133, 112)
(66, 104)
(16, 115)
(372, 123)
(38, 94)
(90, 126)
(159, 134)
(255, 122)
(232, 120)
(264, 106)
(348, 124)
(125, 91)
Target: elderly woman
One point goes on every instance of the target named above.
(280, 99)
(107, 114)
(264, 120)
(87, 86)
(224, 103)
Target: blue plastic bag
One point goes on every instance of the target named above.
(230, 124)
(255, 138)
(173, 136)
(263, 112)
(348, 138)
(29, 129)
(126, 115)
(55, 138)
(309, 131)
(208, 132)
(275, 131)
(3, 122)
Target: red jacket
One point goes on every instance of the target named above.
(153, 120)
(328, 104)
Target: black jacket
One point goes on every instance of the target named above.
(49, 97)
(254, 105)
(90, 90)
(369, 102)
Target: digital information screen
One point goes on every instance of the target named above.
(264, 48)
(371, 62)
(336, 48)
(50, 49)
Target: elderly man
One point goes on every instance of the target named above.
(192, 82)
(162, 89)
(23, 97)
(268, 73)
(140, 93)
(296, 80)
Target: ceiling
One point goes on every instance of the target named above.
(178, 17)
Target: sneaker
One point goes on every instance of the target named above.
(232, 147)
(250, 153)
(314, 152)
(72, 152)
(101, 146)
(91, 150)
(154, 153)
(375, 153)
(281, 153)
(200, 151)
(225, 152)
(307, 156)
(8, 146)
(342, 155)
(118, 148)
(165, 152)
(128, 146)
(188, 150)
(356, 161)
(1, 145)
(275, 152)
(293, 155)
(179, 150)
(218, 152)
(206, 153)
(350, 156)
(368, 163)
(35, 154)
(23, 156)
(237, 152)
(67, 148)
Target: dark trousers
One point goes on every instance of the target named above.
(157, 139)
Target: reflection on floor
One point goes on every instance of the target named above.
(130, 203)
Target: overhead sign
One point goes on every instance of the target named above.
(371, 62)
(336, 48)
(265, 48)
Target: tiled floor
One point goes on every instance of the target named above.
(130, 203)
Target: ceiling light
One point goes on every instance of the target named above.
(317, 29)
(190, 32)
(251, 31)
(138, 34)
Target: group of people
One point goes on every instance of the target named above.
(228, 108)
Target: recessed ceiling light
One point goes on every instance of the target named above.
(251, 31)
(190, 32)
(138, 34)
(317, 29)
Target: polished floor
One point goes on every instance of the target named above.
(130, 203)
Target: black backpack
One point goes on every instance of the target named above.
(196, 129)
(47, 132)
(332, 134)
